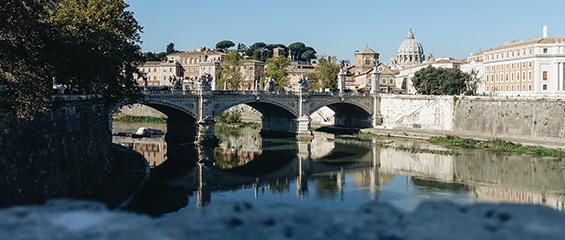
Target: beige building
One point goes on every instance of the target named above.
(359, 75)
(295, 71)
(198, 62)
(158, 73)
(533, 66)
(252, 72)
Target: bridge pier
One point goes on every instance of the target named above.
(304, 131)
(205, 133)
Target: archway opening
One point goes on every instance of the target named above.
(341, 116)
(162, 134)
(270, 119)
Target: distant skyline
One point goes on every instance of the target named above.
(446, 28)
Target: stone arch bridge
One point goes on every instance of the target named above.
(191, 113)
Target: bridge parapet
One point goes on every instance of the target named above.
(292, 108)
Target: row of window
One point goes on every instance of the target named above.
(510, 88)
(509, 66)
(202, 59)
(148, 70)
(391, 81)
(510, 77)
(512, 54)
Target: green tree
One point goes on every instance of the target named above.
(308, 55)
(259, 51)
(26, 77)
(98, 49)
(171, 48)
(230, 71)
(276, 69)
(224, 45)
(242, 48)
(325, 75)
(440, 81)
(296, 49)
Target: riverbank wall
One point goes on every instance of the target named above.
(63, 152)
(531, 117)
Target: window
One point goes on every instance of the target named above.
(391, 81)
(545, 87)
(530, 87)
(545, 50)
(530, 75)
(544, 75)
(518, 76)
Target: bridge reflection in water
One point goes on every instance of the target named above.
(329, 171)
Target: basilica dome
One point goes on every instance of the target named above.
(411, 45)
(410, 51)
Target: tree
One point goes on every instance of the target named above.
(171, 48)
(25, 75)
(91, 47)
(230, 71)
(308, 55)
(325, 75)
(97, 49)
(296, 49)
(224, 45)
(276, 69)
(440, 81)
(242, 48)
(259, 51)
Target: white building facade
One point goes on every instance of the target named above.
(534, 66)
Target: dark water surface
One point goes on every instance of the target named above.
(335, 172)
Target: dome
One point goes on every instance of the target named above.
(410, 52)
(411, 46)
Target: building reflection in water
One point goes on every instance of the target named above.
(153, 149)
(331, 168)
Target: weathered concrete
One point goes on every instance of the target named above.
(532, 117)
(432, 220)
(64, 151)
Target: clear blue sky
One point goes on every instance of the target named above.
(337, 28)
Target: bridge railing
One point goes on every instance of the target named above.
(356, 94)
(166, 91)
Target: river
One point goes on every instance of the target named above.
(334, 171)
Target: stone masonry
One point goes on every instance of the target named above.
(63, 152)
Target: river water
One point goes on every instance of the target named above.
(335, 171)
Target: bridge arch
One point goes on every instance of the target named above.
(181, 122)
(347, 113)
(278, 115)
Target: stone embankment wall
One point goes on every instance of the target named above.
(63, 152)
(494, 116)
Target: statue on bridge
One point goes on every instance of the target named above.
(304, 83)
(205, 81)
(270, 85)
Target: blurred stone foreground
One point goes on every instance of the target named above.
(433, 220)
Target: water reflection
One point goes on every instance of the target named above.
(332, 171)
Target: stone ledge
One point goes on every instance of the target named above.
(431, 220)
